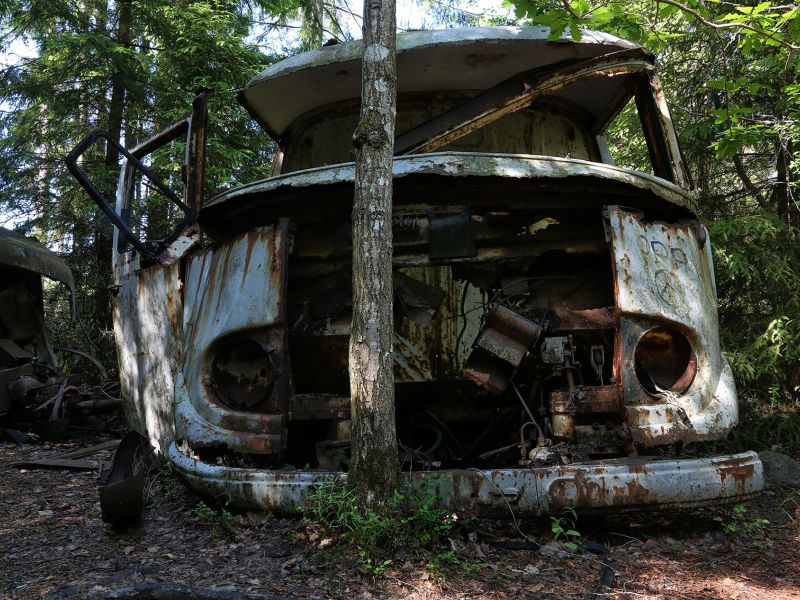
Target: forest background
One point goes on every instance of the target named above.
(131, 67)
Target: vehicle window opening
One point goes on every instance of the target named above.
(626, 142)
(147, 213)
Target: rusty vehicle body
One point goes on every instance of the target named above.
(556, 315)
(29, 375)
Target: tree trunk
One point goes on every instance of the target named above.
(374, 470)
(116, 108)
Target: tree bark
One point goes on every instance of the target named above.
(116, 109)
(374, 469)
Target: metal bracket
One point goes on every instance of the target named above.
(149, 251)
(193, 126)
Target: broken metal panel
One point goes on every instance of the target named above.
(664, 277)
(682, 175)
(507, 335)
(654, 134)
(437, 349)
(609, 485)
(122, 493)
(514, 94)
(235, 344)
(147, 312)
(500, 347)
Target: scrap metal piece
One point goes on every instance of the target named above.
(664, 277)
(508, 335)
(122, 495)
(499, 348)
(418, 300)
(71, 460)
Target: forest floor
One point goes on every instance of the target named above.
(54, 541)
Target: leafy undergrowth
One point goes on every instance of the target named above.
(412, 521)
(762, 426)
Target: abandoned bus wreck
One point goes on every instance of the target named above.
(29, 376)
(556, 321)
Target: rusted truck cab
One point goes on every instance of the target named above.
(556, 332)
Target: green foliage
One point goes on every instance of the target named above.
(758, 275)
(215, 517)
(441, 559)
(626, 141)
(412, 520)
(736, 524)
(204, 511)
(564, 529)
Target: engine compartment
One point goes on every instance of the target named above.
(487, 350)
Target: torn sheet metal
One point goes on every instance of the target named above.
(500, 347)
(122, 493)
(664, 275)
(235, 307)
(148, 329)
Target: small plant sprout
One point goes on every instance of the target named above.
(563, 528)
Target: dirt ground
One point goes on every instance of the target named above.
(54, 543)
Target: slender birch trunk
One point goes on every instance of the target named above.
(374, 470)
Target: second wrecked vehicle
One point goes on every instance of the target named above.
(31, 382)
(556, 319)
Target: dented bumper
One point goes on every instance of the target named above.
(611, 485)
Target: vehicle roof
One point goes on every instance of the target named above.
(22, 252)
(438, 60)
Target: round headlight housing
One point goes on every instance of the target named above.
(665, 360)
(241, 373)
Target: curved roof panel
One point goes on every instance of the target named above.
(450, 59)
(22, 252)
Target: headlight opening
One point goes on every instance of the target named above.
(665, 360)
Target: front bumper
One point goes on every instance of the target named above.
(599, 486)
